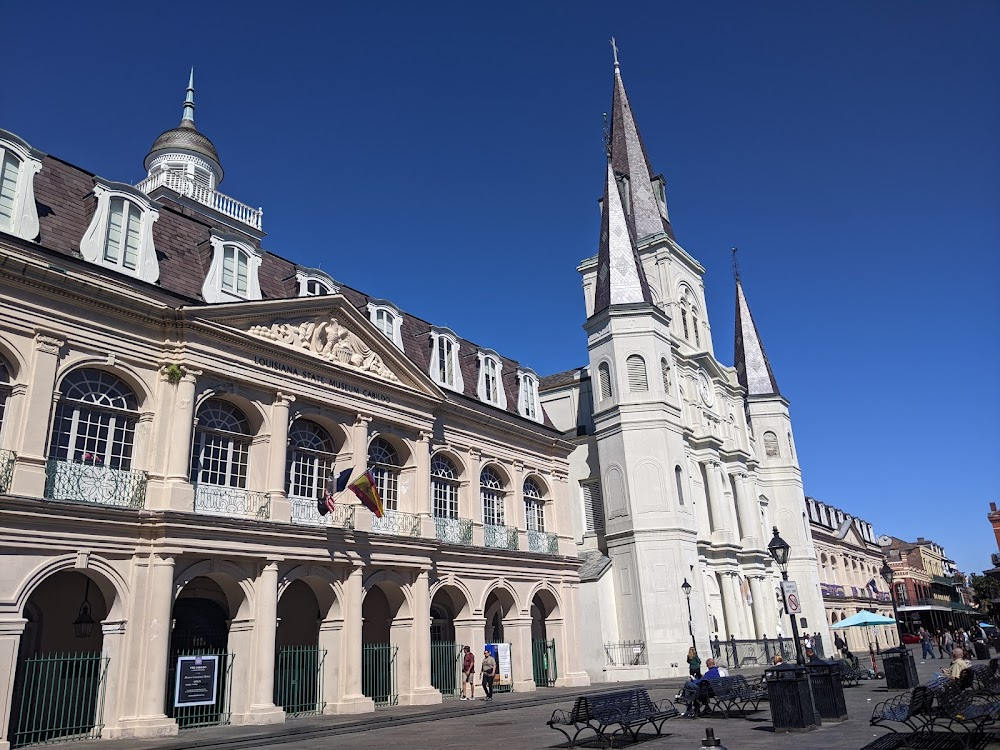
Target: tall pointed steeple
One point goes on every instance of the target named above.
(752, 366)
(629, 159)
(187, 119)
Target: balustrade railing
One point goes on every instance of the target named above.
(7, 460)
(92, 483)
(231, 501)
(183, 184)
(453, 530)
(499, 537)
(396, 522)
(304, 512)
(543, 541)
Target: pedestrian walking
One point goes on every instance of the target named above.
(488, 670)
(694, 664)
(468, 674)
(939, 640)
(949, 642)
(840, 643)
(716, 647)
(926, 644)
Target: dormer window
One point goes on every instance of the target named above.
(233, 273)
(527, 388)
(19, 163)
(490, 389)
(388, 319)
(120, 235)
(314, 283)
(444, 359)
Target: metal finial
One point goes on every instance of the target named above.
(736, 266)
(188, 115)
(614, 49)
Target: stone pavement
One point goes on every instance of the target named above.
(517, 722)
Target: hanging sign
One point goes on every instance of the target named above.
(504, 674)
(197, 680)
(791, 592)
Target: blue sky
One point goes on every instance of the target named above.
(448, 157)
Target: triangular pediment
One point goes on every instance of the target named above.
(848, 533)
(327, 329)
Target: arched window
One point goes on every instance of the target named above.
(679, 481)
(771, 445)
(95, 422)
(385, 321)
(635, 367)
(684, 322)
(534, 508)
(384, 465)
(604, 380)
(122, 238)
(311, 456)
(444, 488)
(665, 374)
(387, 318)
(694, 324)
(315, 288)
(4, 390)
(491, 493)
(221, 447)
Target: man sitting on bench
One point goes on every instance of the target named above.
(692, 691)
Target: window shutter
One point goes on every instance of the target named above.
(604, 376)
(635, 367)
(9, 167)
(593, 506)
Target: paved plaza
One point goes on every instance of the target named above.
(517, 722)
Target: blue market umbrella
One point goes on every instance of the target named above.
(863, 619)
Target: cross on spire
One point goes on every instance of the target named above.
(614, 50)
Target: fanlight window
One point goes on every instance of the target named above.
(444, 488)
(95, 421)
(123, 235)
(221, 447)
(384, 465)
(311, 457)
(491, 493)
(316, 288)
(534, 509)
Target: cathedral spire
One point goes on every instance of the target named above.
(620, 278)
(646, 212)
(187, 119)
(752, 366)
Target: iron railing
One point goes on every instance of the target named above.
(626, 653)
(298, 680)
(396, 522)
(453, 530)
(378, 673)
(7, 460)
(60, 697)
(304, 512)
(737, 653)
(543, 663)
(499, 537)
(215, 500)
(543, 541)
(216, 714)
(446, 667)
(92, 483)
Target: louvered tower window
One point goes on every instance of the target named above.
(665, 374)
(635, 368)
(593, 506)
(604, 380)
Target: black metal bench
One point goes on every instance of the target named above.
(913, 710)
(733, 694)
(851, 673)
(628, 710)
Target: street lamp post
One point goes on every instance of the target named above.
(686, 588)
(887, 574)
(778, 548)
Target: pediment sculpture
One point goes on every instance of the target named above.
(325, 338)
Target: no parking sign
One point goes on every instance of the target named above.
(791, 592)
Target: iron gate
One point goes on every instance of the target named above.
(60, 697)
(378, 673)
(216, 714)
(298, 680)
(446, 660)
(543, 663)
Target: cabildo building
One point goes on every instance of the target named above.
(173, 396)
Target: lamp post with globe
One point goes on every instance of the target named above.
(779, 550)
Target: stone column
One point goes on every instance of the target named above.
(421, 691)
(331, 639)
(763, 615)
(422, 478)
(29, 471)
(10, 642)
(568, 654)
(516, 516)
(117, 669)
(352, 701)
(517, 632)
(178, 491)
(277, 458)
(729, 605)
(359, 440)
(262, 708)
(721, 515)
(241, 646)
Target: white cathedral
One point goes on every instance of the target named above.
(684, 464)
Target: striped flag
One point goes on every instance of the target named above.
(364, 487)
(331, 489)
(873, 586)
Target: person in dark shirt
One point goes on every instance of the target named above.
(468, 674)
(692, 692)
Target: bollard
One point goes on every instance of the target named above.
(711, 741)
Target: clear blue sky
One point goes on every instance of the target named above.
(448, 157)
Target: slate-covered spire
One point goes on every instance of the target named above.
(620, 278)
(629, 159)
(752, 367)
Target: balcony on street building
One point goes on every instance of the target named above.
(396, 522)
(91, 482)
(237, 502)
(304, 512)
(544, 542)
(499, 536)
(453, 530)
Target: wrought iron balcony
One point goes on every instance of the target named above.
(453, 530)
(398, 523)
(499, 536)
(184, 185)
(237, 502)
(304, 512)
(96, 484)
(7, 460)
(543, 541)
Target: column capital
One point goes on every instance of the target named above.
(423, 436)
(283, 399)
(362, 419)
(113, 627)
(174, 372)
(47, 342)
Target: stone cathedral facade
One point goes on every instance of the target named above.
(683, 464)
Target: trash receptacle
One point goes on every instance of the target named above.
(827, 690)
(900, 671)
(982, 650)
(790, 697)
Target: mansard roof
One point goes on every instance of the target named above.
(66, 204)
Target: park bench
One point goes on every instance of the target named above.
(965, 709)
(628, 710)
(851, 673)
(733, 694)
(913, 710)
